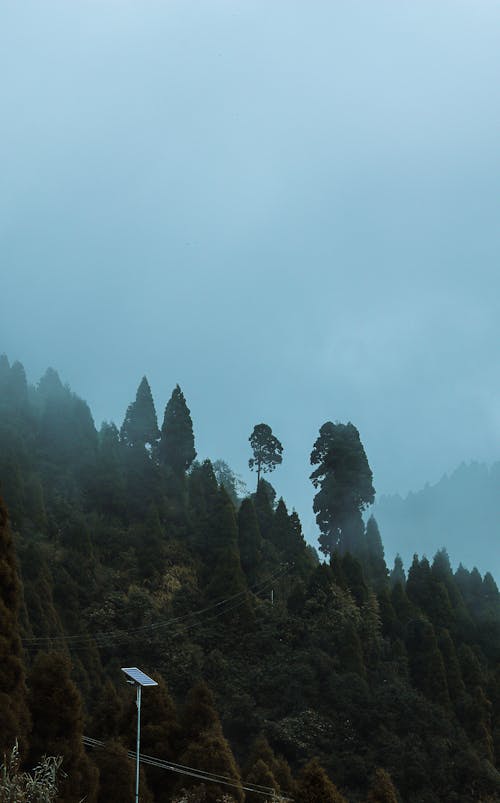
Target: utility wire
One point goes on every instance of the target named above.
(193, 772)
(113, 637)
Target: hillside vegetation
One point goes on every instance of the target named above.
(324, 680)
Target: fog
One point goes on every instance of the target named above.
(289, 208)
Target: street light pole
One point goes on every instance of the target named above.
(138, 679)
(138, 749)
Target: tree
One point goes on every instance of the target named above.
(314, 786)
(57, 714)
(344, 479)
(14, 717)
(375, 565)
(250, 541)
(397, 574)
(140, 426)
(234, 485)
(207, 749)
(267, 450)
(176, 447)
(382, 789)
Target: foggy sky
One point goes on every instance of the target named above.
(289, 208)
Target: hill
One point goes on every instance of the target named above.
(328, 681)
(460, 512)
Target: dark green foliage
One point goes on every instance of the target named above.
(207, 749)
(374, 562)
(14, 717)
(382, 789)
(344, 479)
(116, 774)
(426, 662)
(56, 711)
(140, 427)
(314, 786)
(266, 448)
(249, 541)
(397, 574)
(176, 447)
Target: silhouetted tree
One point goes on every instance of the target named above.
(176, 447)
(397, 574)
(375, 566)
(140, 426)
(344, 479)
(266, 448)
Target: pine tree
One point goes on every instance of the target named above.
(14, 716)
(314, 786)
(116, 774)
(266, 448)
(397, 574)
(57, 715)
(176, 447)
(249, 541)
(382, 789)
(344, 479)
(426, 662)
(207, 749)
(140, 426)
(375, 566)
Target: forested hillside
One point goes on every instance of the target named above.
(321, 680)
(460, 510)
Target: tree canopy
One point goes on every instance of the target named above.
(266, 448)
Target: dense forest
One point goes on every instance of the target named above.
(281, 674)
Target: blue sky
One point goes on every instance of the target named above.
(290, 208)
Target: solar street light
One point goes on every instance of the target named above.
(138, 679)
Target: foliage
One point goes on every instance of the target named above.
(344, 479)
(266, 448)
(38, 786)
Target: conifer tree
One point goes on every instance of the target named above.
(314, 785)
(56, 711)
(382, 789)
(176, 447)
(207, 749)
(17, 388)
(260, 774)
(249, 541)
(344, 479)
(116, 774)
(14, 716)
(266, 448)
(376, 569)
(140, 426)
(397, 574)
(426, 662)
(4, 377)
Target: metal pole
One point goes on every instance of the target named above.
(138, 703)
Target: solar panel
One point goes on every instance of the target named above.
(138, 677)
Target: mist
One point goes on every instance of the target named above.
(290, 210)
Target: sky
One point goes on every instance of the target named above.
(291, 209)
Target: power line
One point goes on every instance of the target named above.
(193, 772)
(104, 638)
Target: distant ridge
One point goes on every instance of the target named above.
(460, 512)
